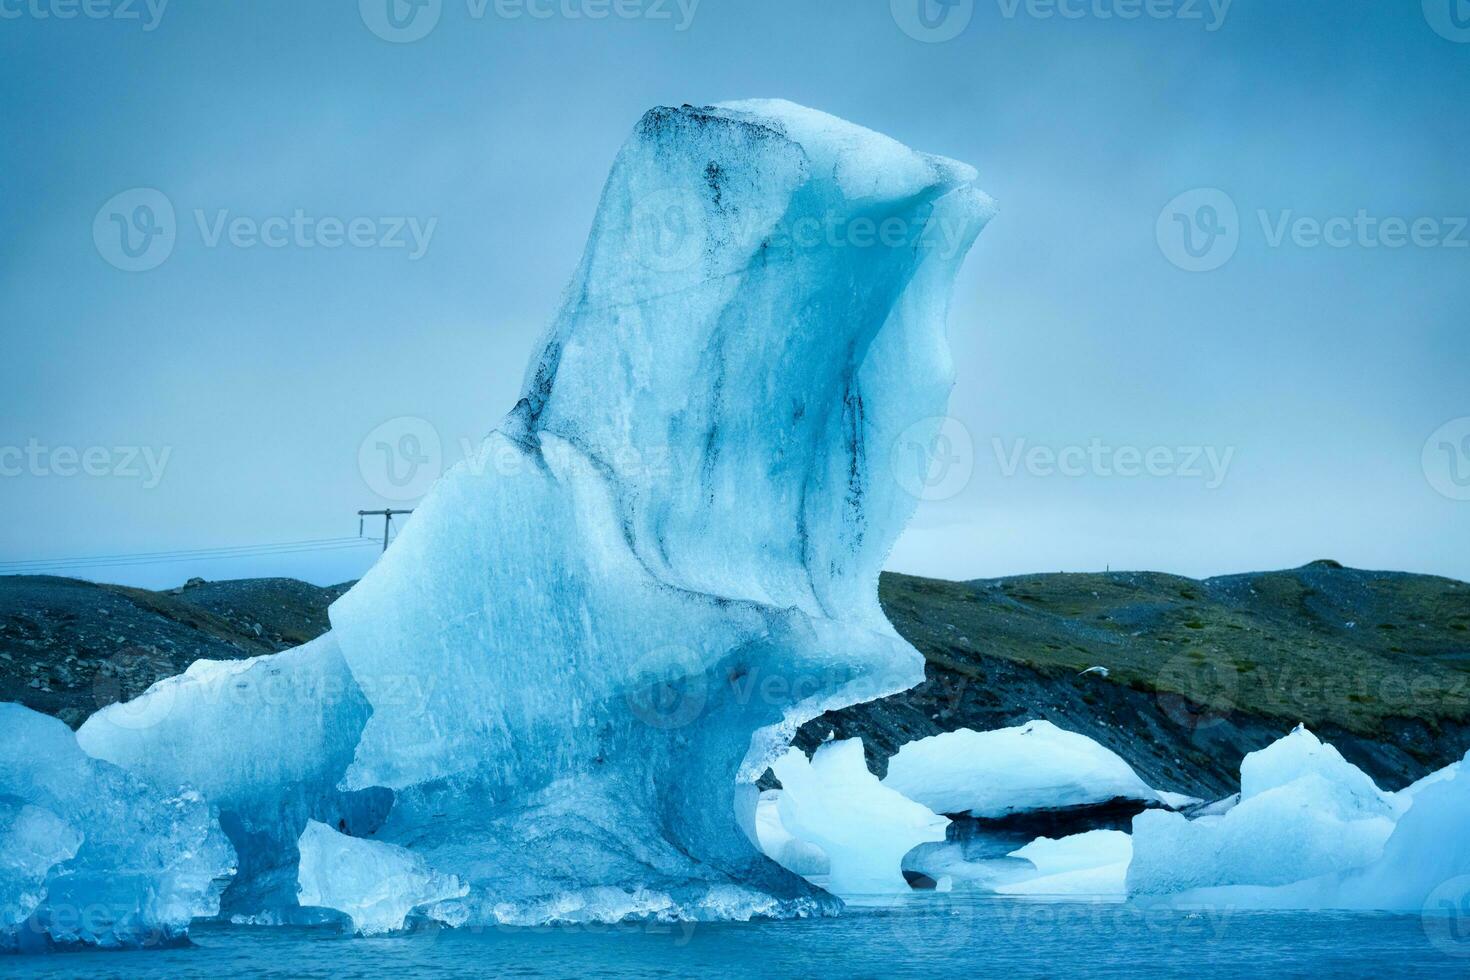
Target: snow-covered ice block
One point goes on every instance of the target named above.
(94, 855)
(864, 829)
(1303, 811)
(1088, 865)
(265, 740)
(376, 885)
(1036, 766)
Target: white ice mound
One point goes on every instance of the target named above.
(1424, 865)
(838, 809)
(1088, 865)
(1036, 766)
(1304, 811)
(265, 740)
(376, 885)
(665, 558)
(90, 854)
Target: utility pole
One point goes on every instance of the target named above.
(386, 515)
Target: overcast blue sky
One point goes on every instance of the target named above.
(1150, 298)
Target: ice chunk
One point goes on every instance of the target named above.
(781, 846)
(91, 854)
(266, 740)
(1300, 753)
(33, 840)
(864, 829)
(1422, 867)
(374, 884)
(1036, 766)
(665, 558)
(1089, 865)
(1303, 811)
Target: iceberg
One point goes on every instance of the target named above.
(838, 809)
(93, 855)
(1303, 811)
(1033, 767)
(375, 885)
(266, 740)
(562, 682)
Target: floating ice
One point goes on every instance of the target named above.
(1036, 766)
(781, 846)
(266, 740)
(93, 855)
(597, 632)
(376, 885)
(834, 805)
(1303, 811)
(1424, 865)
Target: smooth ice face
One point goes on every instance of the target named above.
(265, 740)
(834, 804)
(1303, 811)
(666, 556)
(376, 885)
(94, 855)
(1036, 766)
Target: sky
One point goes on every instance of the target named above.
(262, 259)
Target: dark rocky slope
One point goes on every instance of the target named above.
(1198, 672)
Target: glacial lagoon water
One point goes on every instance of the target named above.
(926, 935)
